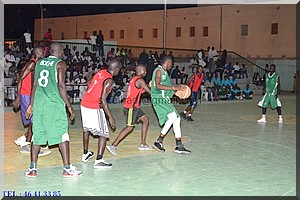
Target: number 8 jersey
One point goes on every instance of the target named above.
(46, 80)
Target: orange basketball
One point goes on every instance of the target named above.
(185, 93)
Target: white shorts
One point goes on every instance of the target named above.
(94, 120)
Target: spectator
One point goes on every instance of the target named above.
(8, 62)
(247, 92)
(48, 35)
(216, 81)
(92, 40)
(99, 41)
(16, 50)
(73, 51)
(209, 87)
(236, 92)
(27, 36)
(243, 71)
(223, 58)
(228, 69)
(236, 69)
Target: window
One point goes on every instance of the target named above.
(205, 31)
(62, 36)
(192, 31)
(140, 33)
(154, 31)
(244, 30)
(85, 35)
(122, 33)
(111, 34)
(274, 29)
(178, 31)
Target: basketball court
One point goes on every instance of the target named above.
(232, 155)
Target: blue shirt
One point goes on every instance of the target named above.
(216, 81)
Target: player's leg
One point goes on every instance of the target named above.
(177, 133)
(193, 105)
(158, 144)
(86, 153)
(122, 135)
(89, 119)
(103, 134)
(145, 124)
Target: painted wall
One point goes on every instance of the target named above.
(223, 22)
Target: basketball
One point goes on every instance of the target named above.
(185, 93)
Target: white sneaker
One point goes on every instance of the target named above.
(21, 141)
(87, 156)
(280, 120)
(143, 147)
(112, 149)
(71, 172)
(262, 120)
(102, 164)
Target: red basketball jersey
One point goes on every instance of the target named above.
(93, 95)
(26, 83)
(133, 94)
(197, 82)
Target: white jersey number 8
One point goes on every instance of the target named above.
(43, 80)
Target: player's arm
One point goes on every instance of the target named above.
(278, 86)
(140, 83)
(29, 67)
(61, 76)
(190, 79)
(164, 87)
(29, 110)
(107, 87)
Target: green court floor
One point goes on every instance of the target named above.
(232, 155)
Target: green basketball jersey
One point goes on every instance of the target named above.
(271, 83)
(46, 79)
(165, 80)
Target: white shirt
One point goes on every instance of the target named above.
(93, 39)
(27, 37)
(10, 58)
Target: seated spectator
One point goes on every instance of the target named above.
(216, 80)
(228, 69)
(225, 88)
(183, 75)
(256, 80)
(175, 73)
(247, 92)
(243, 71)
(209, 87)
(232, 80)
(110, 54)
(236, 92)
(236, 69)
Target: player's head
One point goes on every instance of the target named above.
(38, 52)
(140, 70)
(272, 68)
(114, 67)
(199, 69)
(166, 62)
(57, 50)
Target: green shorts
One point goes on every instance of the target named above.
(162, 107)
(50, 124)
(267, 99)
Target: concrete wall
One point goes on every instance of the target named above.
(223, 22)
